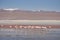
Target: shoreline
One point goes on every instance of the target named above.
(30, 26)
(30, 22)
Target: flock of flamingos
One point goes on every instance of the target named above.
(24, 26)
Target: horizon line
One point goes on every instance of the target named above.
(29, 9)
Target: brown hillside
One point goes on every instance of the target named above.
(29, 15)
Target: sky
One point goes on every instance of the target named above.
(49, 5)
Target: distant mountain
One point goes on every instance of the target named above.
(16, 14)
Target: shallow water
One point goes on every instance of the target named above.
(30, 34)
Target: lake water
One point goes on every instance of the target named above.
(30, 34)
